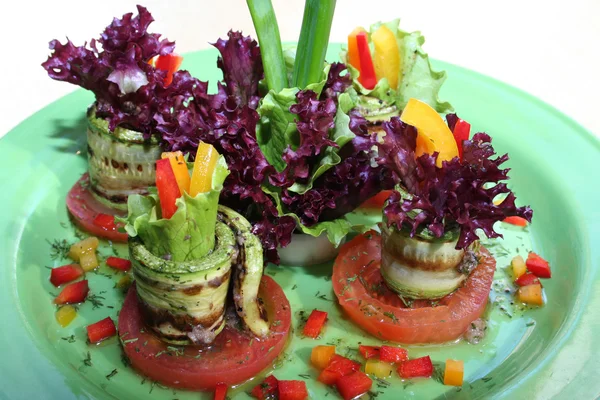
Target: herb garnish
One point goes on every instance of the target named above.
(59, 249)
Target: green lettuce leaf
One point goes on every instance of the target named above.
(190, 233)
(277, 129)
(417, 78)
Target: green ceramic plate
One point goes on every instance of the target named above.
(542, 353)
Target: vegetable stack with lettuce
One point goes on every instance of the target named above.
(451, 187)
(388, 68)
(185, 249)
(133, 76)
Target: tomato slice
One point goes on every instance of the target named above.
(361, 292)
(233, 358)
(84, 208)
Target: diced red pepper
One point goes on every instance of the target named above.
(461, 132)
(418, 367)
(315, 322)
(292, 390)
(538, 266)
(527, 279)
(353, 385)
(392, 354)
(168, 190)
(64, 274)
(118, 263)
(338, 367)
(101, 330)
(169, 63)
(220, 391)
(73, 293)
(368, 351)
(515, 220)
(106, 222)
(367, 76)
(267, 389)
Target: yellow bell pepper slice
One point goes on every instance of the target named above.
(204, 165)
(353, 57)
(387, 55)
(65, 315)
(453, 374)
(433, 133)
(518, 266)
(180, 169)
(380, 369)
(531, 294)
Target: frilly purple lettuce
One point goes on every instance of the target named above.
(459, 194)
(127, 88)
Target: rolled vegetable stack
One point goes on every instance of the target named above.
(185, 248)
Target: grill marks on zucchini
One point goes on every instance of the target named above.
(185, 302)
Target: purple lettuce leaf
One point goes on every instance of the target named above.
(242, 67)
(336, 81)
(127, 88)
(460, 193)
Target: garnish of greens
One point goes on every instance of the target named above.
(459, 195)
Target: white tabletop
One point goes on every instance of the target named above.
(548, 48)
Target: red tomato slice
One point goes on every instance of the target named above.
(84, 208)
(380, 312)
(233, 358)
(377, 201)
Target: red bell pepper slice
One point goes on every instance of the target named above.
(368, 351)
(267, 389)
(73, 293)
(515, 220)
(169, 63)
(353, 385)
(101, 330)
(64, 274)
(292, 390)
(367, 76)
(168, 190)
(392, 354)
(378, 201)
(461, 132)
(418, 367)
(220, 392)
(538, 266)
(338, 366)
(106, 222)
(527, 279)
(118, 263)
(315, 322)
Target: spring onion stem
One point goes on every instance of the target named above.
(269, 40)
(312, 45)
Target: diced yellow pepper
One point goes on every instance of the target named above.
(180, 169)
(531, 294)
(378, 368)
(88, 261)
(321, 355)
(65, 315)
(386, 58)
(84, 246)
(353, 57)
(204, 166)
(453, 374)
(433, 132)
(124, 282)
(518, 266)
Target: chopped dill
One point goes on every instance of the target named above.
(59, 249)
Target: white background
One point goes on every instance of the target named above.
(548, 48)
